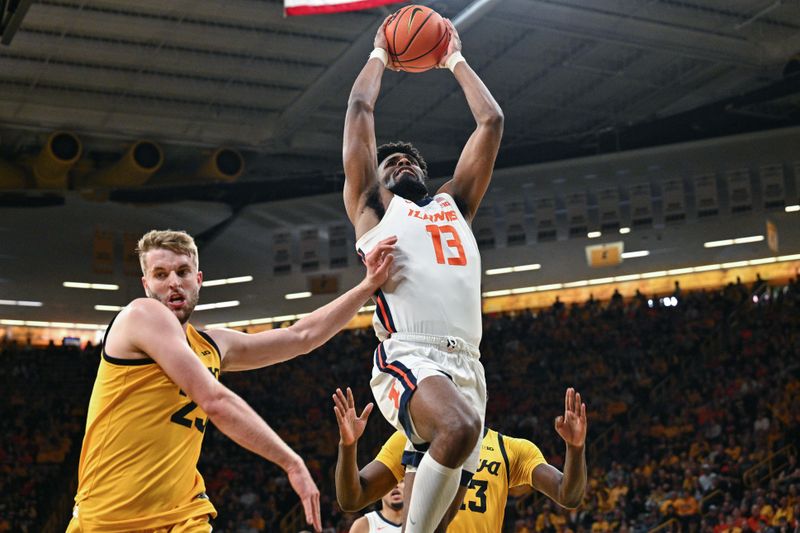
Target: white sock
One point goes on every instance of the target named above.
(435, 486)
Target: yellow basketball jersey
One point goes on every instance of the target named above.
(138, 464)
(504, 462)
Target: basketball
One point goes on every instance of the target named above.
(417, 37)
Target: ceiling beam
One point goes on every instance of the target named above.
(653, 35)
(332, 80)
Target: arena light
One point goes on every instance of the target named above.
(101, 307)
(227, 281)
(541, 288)
(509, 270)
(217, 305)
(594, 234)
(21, 303)
(44, 324)
(635, 254)
(96, 286)
(729, 242)
(717, 244)
(297, 295)
(792, 208)
(645, 275)
(624, 230)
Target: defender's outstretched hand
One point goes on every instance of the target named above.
(351, 426)
(572, 425)
(379, 262)
(304, 486)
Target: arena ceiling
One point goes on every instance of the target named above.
(574, 78)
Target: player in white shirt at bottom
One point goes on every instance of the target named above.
(388, 520)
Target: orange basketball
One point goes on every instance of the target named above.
(417, 38)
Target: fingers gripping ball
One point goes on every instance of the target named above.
(417, 37)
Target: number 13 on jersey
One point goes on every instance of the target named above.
(449, 235)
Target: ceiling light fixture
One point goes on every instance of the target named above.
(97, 286)
(729, 242)
(297, 295)
(227, 281)
(509, 270)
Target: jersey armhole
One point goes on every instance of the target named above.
(116, 360)
(460, 207)
(505, 456)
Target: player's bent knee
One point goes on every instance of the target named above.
(460, 433)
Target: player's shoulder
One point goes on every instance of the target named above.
(398, 438)
(141, 308)
(360, 525)
(519, 449)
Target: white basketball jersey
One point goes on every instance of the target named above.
(435, 284)
(378, 524)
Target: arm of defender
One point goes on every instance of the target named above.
(356, 489)
(242, 351)
(149, 327)
(474, 168)
(567, 489)
(359, 148)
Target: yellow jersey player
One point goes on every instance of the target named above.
(505, 463)
(157, 387)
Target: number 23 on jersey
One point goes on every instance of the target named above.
(447, 236)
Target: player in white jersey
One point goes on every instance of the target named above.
(428, 380)
(390, 517)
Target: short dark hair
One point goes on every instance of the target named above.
(385, 150)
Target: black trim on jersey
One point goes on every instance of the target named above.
(117, 360)
(126, 362)
(505, 455)
(210, 341)
(380, 515)
(382, 308)
(422, 202)
(412, 458)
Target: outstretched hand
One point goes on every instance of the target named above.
(351, 426)
(572, 425)
(454, 45)
(379, 262)
(304, 486)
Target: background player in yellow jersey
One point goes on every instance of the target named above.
(157, 386)
(505, 462)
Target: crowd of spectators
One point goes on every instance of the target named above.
(42, 417)
(684, 397)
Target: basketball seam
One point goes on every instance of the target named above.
(434, 47)
(413, 36)
(399, 15)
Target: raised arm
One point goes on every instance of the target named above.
(146, 326)
(474, 168)
(567, 489)
(359, 150)
(356, 489)
(242, 351)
